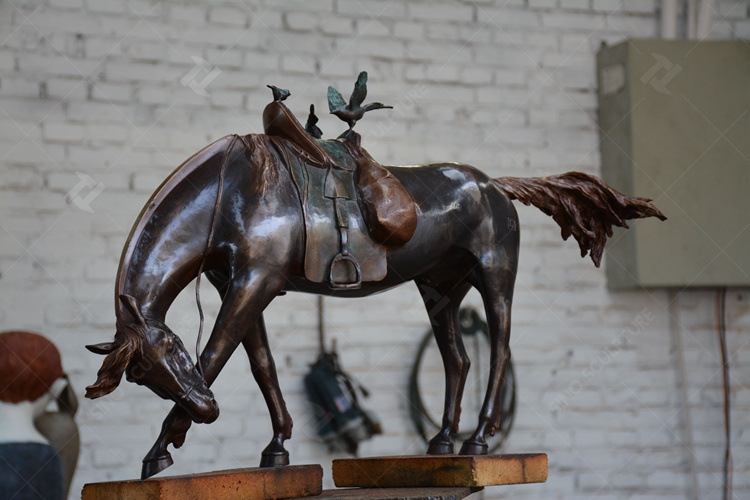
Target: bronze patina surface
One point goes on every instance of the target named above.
(233, 212)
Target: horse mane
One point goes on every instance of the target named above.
(128, 340)
(262, 153)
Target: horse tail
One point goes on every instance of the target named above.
(583, 205)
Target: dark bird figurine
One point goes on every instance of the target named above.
(311, 126)
(354, 111)
(279, 94)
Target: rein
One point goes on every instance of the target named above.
(209, 240)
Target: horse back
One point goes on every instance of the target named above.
(446, 192)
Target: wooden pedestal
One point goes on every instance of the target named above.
(440, 470)
(257, 483)
(396, 494)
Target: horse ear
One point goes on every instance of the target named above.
(110, 374)
(131, 306)
(105, 348)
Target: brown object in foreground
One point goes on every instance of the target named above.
(436, 470)
(397, 494)
(257, 483)
(29, 365)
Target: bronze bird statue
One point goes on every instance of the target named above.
(279, 94)
(354, 111)
(310, 126)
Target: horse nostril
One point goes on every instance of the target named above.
(214, 410)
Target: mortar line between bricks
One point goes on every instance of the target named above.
(84, 78)
(9, 37)
(664, 425)
(536, 288)
(50, 273)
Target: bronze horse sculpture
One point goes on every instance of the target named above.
(233, 213)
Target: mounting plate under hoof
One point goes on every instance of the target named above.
(268, 483)
(440, 470)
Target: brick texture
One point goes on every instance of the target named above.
(101, 100)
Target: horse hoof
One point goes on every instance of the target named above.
(440, 445)
(274, 459)
(474, 448)
(155, 466)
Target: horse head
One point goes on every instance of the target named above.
(150, 354)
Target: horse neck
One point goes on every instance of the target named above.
(169, 240)
(155, 288)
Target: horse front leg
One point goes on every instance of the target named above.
(496, 288)
(264, 371)
(242, 304)
(442, 304)
(176, 424)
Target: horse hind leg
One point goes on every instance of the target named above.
(442, 305)
(496, 288)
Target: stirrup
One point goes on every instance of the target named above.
(340, 258)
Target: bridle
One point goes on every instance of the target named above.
(184, 395)
(209, 241)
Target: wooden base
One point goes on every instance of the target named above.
(440, 470)
(269, 483)
(397, 494)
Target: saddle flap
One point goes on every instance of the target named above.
(328, 198)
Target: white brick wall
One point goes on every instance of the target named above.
(91, 93)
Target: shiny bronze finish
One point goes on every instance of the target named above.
(240, 191)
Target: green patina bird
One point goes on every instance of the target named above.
(279, 94)
(354, 111)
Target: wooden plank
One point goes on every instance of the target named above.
(268, 483)
(396, 494)
(440, 470)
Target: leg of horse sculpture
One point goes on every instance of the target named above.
(264, 371)
(442, 303)
(242, 305)
(496, 287)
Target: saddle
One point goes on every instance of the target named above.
(339, 181)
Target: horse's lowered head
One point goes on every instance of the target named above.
(150, 354)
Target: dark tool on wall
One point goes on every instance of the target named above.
(341, 421)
